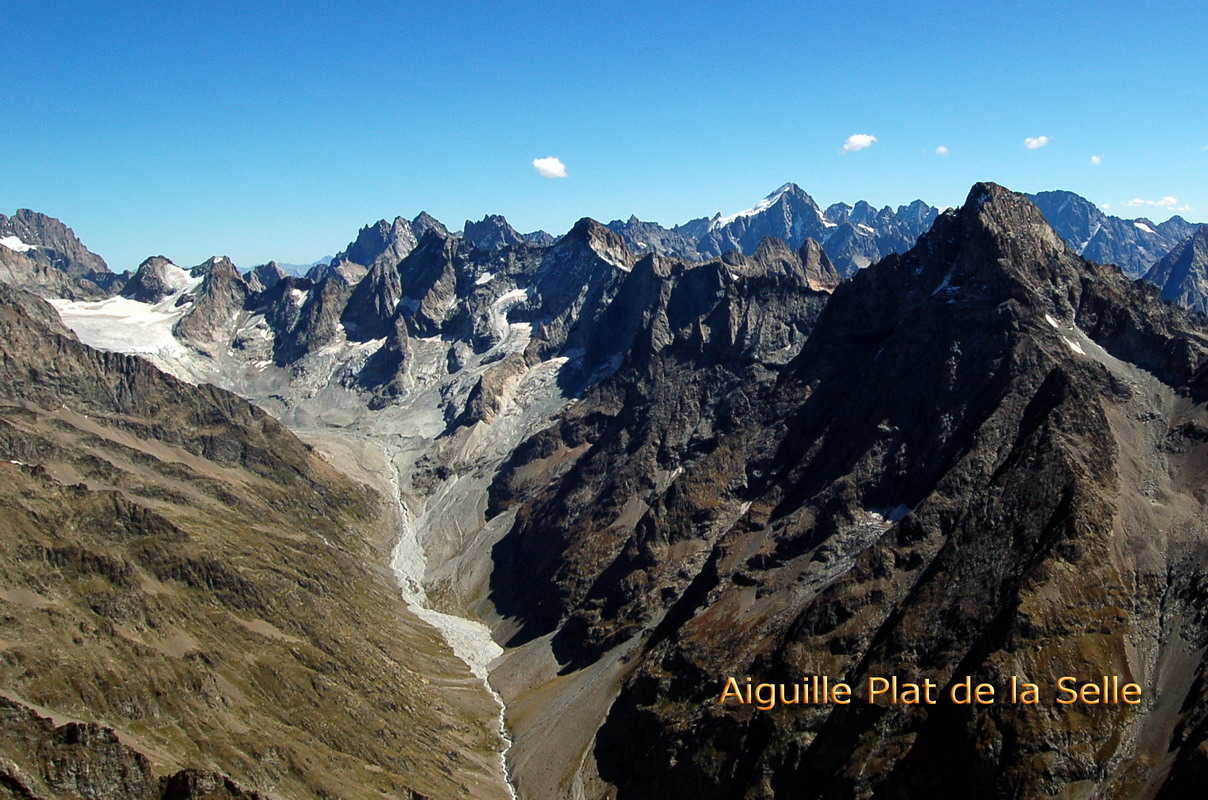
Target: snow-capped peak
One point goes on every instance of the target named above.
(763, 205)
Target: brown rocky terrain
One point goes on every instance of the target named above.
(193, 604)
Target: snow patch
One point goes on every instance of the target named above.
(763, 205)
(867, 230)
(1049, 319)
(1077, 348)
(180, 280)
(122, 325)
(511, 298)
(484, 278)
(1141, 226)
(15, 243)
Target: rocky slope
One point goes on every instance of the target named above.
(196, 605)
(1182, 275)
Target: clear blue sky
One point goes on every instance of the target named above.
(276, 131)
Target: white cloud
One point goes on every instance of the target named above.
(942, 150)
(859, 141)
(550, 167)
(1168, 202)
(1096, 160)
(1035, 142)
(1105, 206)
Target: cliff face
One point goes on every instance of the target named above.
(984, 461)
(191, 606)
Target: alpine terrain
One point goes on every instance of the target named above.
(481, 513)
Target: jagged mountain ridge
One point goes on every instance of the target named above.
(852, 236)
(677, 452)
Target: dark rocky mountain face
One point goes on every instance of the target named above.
(540, 238)
(383, 243)
(191, 603)
(491, 233)
(1134, 245)
(42, 255)
(425, 222)
(982, 461)
(1182, 275)
(57, 244)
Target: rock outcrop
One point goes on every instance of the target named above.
(155, 280)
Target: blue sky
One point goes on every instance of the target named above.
(276, 130)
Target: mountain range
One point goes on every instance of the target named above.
(495, 514)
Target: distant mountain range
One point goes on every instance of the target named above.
(1134, 245)
(851, 236)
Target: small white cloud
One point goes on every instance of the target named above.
(942, 150)
(858, 141)
(1035, 142)
(1096, 160)
(1169, 202)
(550, 167)
(1105, 206)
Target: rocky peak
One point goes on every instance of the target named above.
(385, 242)
(838, 213)
(56, 244)
(492, 233)
(425, 222)
(1182, 274)
(265, 276)
(820, 274)
(600, 239)
(997, 239)
(155, 279)
(217, 302)
(539, 238)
